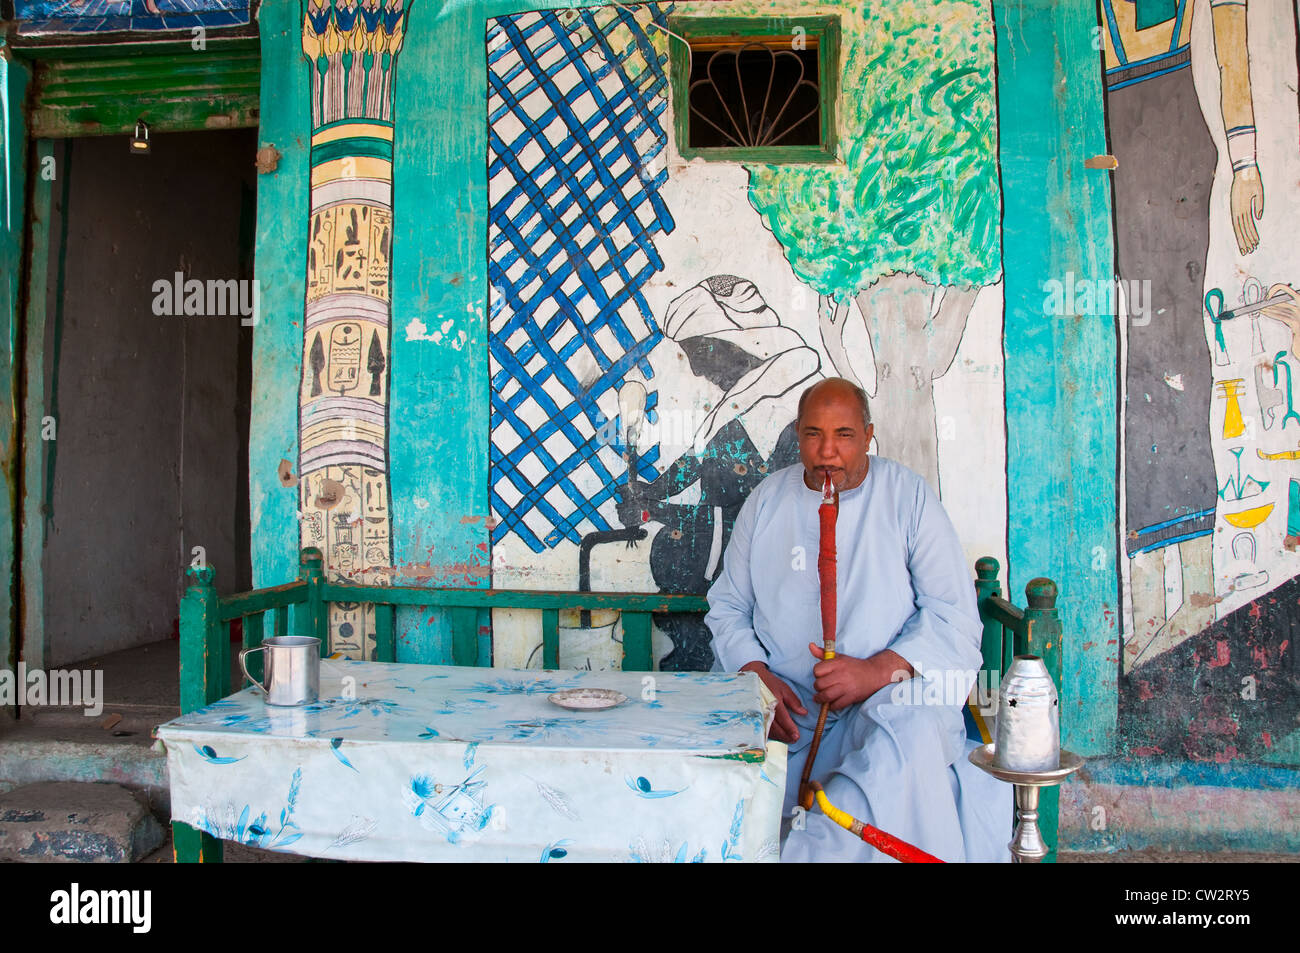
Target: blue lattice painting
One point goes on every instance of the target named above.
(576, 141)
(108, 16)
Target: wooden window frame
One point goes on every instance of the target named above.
(825, 30)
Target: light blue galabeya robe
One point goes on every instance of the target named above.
(897, 760)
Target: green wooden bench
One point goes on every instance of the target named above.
(302, 608)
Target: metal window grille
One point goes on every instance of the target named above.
(754, 94)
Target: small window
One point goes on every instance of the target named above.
(758, 90)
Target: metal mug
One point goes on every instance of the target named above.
(292, 664)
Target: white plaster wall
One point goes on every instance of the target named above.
(718, 231)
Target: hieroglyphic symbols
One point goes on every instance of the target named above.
(343, 430)
(344, 357)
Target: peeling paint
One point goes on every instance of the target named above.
(417, 330)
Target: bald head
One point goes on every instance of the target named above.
(834, 388)
(835, 431)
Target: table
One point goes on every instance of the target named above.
(437, 763)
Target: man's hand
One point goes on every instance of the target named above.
(845, 681)
(783, 726)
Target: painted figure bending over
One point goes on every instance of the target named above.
(892, 755)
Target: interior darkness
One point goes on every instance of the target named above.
(151, 454)
(749, 72)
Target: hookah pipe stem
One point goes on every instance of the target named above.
(810, 792)
(826, 568)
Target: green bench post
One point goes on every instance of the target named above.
(637, 654)
(550, 638)
(986, 588)
(313, 616)
(464, 635)
(202, 658)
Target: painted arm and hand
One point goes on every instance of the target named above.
(1230, 51)
(638, 498)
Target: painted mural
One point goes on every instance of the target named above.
(37, 17)
(1202, 113)
(343, 486)
(653, 321)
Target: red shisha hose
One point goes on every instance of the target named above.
(826, 568)
(810, 792)
(885, 843)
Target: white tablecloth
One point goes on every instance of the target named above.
(434, 763)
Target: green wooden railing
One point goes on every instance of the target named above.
(303, 608)
(1034, 630)
(206, 620)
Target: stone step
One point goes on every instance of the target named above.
(51, 745)
(76, 822)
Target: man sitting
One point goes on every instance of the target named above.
(890, 755)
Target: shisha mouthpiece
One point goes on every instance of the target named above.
(828, 490)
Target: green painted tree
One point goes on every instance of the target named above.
(908, 226)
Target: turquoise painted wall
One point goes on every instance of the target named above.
(280, 266)
(13, 166)
(1061, 372)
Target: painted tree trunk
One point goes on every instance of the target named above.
(915, 328)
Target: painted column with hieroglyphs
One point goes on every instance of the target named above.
(343, 399)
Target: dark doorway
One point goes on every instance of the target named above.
(151, 406)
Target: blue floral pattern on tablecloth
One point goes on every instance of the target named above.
(415, 762)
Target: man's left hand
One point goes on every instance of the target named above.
(845, 681)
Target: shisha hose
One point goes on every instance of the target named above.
(826, 567)
(810, 791)
(885, 843)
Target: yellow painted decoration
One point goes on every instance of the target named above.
(351, 167)
(1280, 455)
(980, 723)
(1233, 423)
(1249, 519)
(1147, 43)
(346, 130)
